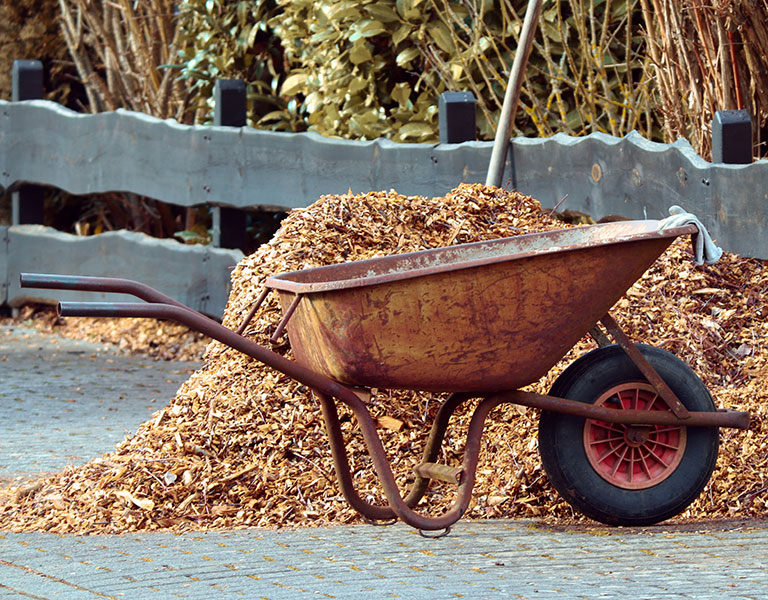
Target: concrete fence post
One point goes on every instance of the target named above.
(229, 224)
(456, 117)
(732, 137)
(27, 202)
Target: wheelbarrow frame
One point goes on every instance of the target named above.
(328, 391)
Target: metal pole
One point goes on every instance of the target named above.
(508, 109)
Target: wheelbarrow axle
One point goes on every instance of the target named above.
(721, 418)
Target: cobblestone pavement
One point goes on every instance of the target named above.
(66, 401)
(502, 559)
(55, 415)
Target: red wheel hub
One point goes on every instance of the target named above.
(633, 456)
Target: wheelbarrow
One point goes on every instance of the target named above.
(628, 434)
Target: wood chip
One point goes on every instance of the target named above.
(243, 445)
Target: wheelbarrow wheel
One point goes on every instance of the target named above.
(619, 474)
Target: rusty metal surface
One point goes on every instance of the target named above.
(439, 472)
(644, 366)
(475, 318)
(395, 267)
(720, 418)
(96, 284)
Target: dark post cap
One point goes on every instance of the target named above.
(732, 137)
(456, 117)
(230, 102)
(27, 79)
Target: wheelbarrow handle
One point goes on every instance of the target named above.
(213, 329)
(96, 284)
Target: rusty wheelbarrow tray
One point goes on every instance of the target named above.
(483, 320)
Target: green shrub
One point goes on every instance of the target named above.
(357, 66)
(366, 69)
(377, 67)
(232, 40)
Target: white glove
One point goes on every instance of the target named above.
(704, 249)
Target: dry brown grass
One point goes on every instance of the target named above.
(708, 57)
(120, 49)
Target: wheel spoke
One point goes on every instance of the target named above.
(661, 460)
(618, 438)
(646, 468)
(623, 400)
(666, 429)
(619, 462)
(664, 444)
(611, 450)
(614, 427)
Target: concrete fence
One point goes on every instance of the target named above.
(44, 143)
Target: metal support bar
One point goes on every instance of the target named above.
(430, 470)
(286, 317)
(645, 367)
(720, 418)
(597, 334)
(254, 309)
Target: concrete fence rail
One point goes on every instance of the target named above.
(44, 143)
(198, 275)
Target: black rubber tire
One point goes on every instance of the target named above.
(562, 446)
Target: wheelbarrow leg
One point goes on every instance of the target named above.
(383, 469)
(370, 511)
(434, 442)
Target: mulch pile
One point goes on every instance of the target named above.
(242, 445)
(148, 337)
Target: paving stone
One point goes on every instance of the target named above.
(58, 407)
(478, 560)
(67, 401)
